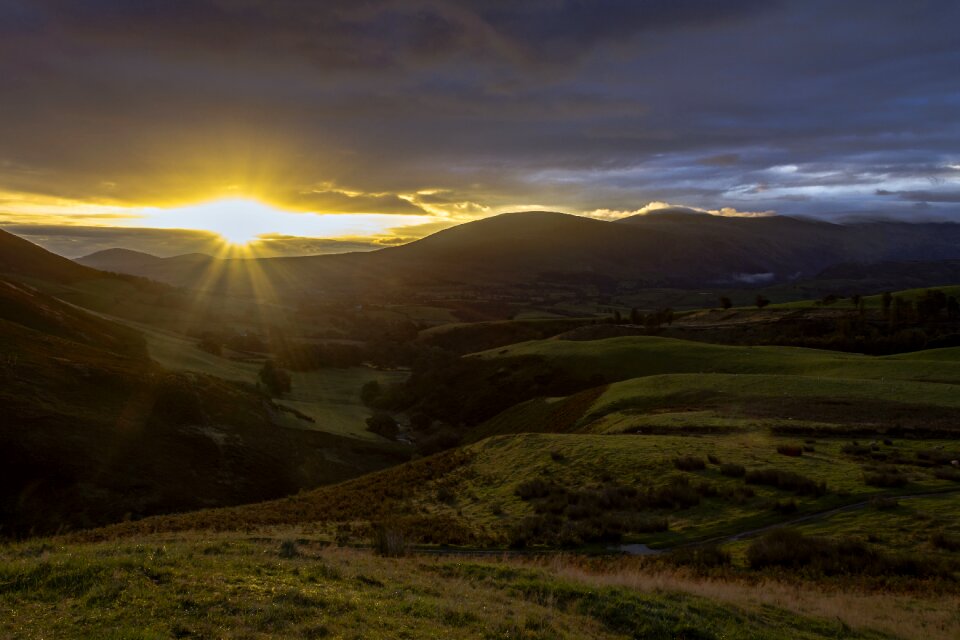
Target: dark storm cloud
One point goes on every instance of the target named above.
(806, 108)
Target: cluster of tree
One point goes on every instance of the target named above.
(650, 321)
(932, 306)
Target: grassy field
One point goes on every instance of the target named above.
(636, 356)
(282, 587)
(472, 496)
(332, 398)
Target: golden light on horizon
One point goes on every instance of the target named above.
(241, 222)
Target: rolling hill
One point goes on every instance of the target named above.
(516, 249)
(94, 432)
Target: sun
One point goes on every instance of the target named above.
(244, 223)
(237, 221)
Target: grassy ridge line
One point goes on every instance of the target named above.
(653, 392)
(635, 356)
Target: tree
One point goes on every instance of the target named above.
(886, 300)
(369, 392)
(276, 380)
(953, 309)
(617, 319)
(725, 302)
(761, 302)
(635, 317)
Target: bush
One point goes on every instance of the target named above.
(733, 470)
(288, 549)
(712, 459)
(787, 481)
(792, 450)
(689, 463)
(389, 541)
(383, 424)
(886, 479)
(536, 488)
(855, 449)
(369, 392)
(790, 549)
(945, 541)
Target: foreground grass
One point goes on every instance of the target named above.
(266, 587)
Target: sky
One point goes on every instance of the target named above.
(167, 126)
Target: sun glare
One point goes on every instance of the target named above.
(237, 221)
(241, 222)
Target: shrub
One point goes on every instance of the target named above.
(787, 481)
(887, 478)
(557, 456)
(733, 470)
(712, 459)
(947, 474)
(536, 488)
(446, 495)
(383, 424)
(288, 549)
(791, 450)
(945, 541)
(369, 392)
(389, 541)
(790, 549)
(689, 463)
(855, 449)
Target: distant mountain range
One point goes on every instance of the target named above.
(674, 249)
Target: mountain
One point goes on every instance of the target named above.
(544, 248)
(175, 270)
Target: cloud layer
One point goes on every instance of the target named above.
(459, 108)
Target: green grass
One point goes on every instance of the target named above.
(470, 496)
(635, 356)
(947, 354)
(754, 400)
(234, 587)
(332, 398)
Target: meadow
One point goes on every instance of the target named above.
(286, 586)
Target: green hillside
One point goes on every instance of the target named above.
(635, 356)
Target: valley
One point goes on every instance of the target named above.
(321, 459)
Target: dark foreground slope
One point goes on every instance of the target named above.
(93, 431)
